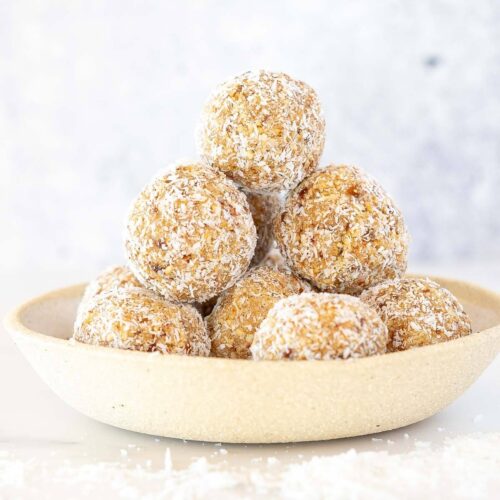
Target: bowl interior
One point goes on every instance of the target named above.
(55, 314)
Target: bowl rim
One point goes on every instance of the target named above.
(14, 325)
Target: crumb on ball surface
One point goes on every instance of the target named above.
(264, 207)
(241, 309)
(339, 230)
(264, 129)
(319, 326)
(137, 319)
(417, 312)
(190, 234)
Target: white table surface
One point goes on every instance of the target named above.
(40, 435)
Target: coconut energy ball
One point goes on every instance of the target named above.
(319, 326)
(241, 309)
(113, 277)
(264, 208)
(137, 319)
(339, 230)
(265, 130)
(190, 234)
(417, 312)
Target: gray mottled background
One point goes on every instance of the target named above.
(95, 97)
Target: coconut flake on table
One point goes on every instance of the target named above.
(463, 467)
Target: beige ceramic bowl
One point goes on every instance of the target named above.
(242, 401)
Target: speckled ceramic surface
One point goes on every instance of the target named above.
(243, 401)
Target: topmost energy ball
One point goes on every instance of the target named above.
(264, 130)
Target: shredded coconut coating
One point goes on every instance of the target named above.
(137, 319)
(417, 312)
(265, 130)
(264, 208)
(319, 326)
(340, 231)
(190, 234)
(113, 277)
(241, 309)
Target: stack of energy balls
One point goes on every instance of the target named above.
(204, 276)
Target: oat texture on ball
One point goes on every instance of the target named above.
(339, 230)
(137, 319)
(316, 326)
(241, 309)
(417, 312)
(263, 207)
(264, 129)
(190, 234)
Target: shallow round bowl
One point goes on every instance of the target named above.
(242, 401)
